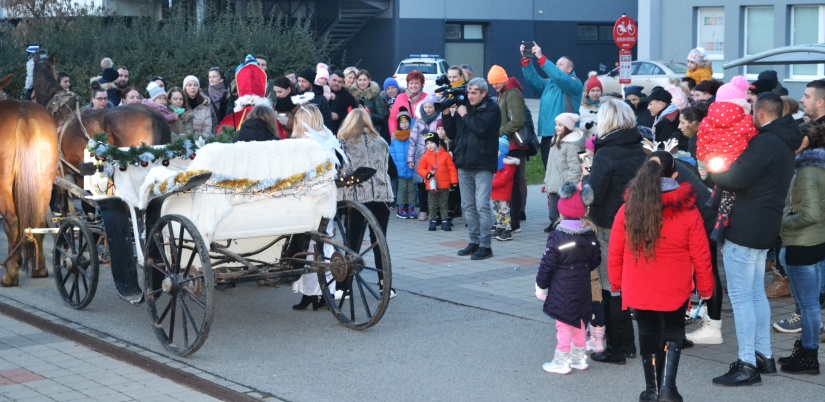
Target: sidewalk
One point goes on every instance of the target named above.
(39, 366)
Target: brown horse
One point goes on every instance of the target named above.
(28, 166)
(128, 125)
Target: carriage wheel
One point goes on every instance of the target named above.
(179, 284)
(75, 263)
(357, 266)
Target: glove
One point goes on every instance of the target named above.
(589, 125)
(541, 294)
(429, 176)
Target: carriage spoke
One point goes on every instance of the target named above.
(159, 321)
(351, 302)
(368, 249)
(179, 250)
(69, 243)
(195, 298)
(368, 268)
(62, 251)
(76, 285)
(162, 253)
(189, 264)
(72, 289)
(65, 279)
(184, 323)
(174, 305)
(364, 296)
(173, 252)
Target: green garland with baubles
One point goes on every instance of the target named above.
(184, 147)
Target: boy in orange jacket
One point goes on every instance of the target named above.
(438, 170)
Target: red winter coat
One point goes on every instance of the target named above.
(445, 171)
(503, 181)
(665, 283)
(725, 133)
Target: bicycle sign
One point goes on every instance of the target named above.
(625, 32)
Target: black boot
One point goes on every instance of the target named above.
(305, 301)
(614, 353)
(650, 364)
(433, 224)
(807, 362)
(766, 366)
(667, 389)
(797, 346)
(447, 225)
(319, 303)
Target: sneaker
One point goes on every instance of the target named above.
(447, 225)
(482, 253)
(411, 212)
(740, 374)
(504, 235)
(402, 213)
(559, 365)
(790, 325)
(422, 216)
(469, 250)
(578, 359)
(709, 333)
(516, 230)
(433, 225)
(381, 289)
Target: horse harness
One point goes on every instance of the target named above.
(60, 100)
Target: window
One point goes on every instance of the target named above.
(469, 32)
(473, 32)
(710, 34)
(807, 27)
(758, 36)
(452, 31)
(594, 33)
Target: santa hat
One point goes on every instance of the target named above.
(592, 82)
(321, 71)
(573, 202)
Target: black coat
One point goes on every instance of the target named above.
(566, 275)
(618, 156)
(668, 127)
(761, 177)
(255, 130)
(687, 175)
(342, 104)
(475, 136)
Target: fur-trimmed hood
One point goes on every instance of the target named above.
(811, 157)
(682, 199)
(370, 93)
(103, 84)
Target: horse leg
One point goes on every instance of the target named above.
(35, 254)
(10, 224)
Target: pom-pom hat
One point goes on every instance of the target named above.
(568, 120)
(737, 88)
(154, 90)
(573, 202)
(592, 82)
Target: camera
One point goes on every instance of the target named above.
(442, 80)
(452, 96)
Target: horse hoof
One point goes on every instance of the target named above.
(43, 273)
(8, 281)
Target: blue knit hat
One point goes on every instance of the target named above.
(503, 150)
(391, 82)
(633, 90)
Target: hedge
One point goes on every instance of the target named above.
(172, 47)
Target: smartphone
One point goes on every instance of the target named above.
(528, 48)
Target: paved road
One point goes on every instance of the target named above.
(458, 330)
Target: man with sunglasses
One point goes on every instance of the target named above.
(474, 130)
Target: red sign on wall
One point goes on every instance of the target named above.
(625, 32)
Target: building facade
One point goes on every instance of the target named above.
(731, 29)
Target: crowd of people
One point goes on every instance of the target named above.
(642, 190)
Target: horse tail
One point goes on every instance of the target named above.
(30, 184)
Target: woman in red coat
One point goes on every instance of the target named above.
(657, 243)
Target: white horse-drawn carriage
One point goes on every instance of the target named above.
(260, 211)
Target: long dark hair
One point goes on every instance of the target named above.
(556, 141)
(643, 210)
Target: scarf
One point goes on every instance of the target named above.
(193, 102)
(402, 135)
(414, 99)
(429, 118)
(216, 92)
(284, 105)
(177, 110)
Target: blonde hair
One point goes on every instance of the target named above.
(614, 115)
(266, 114)
(789, 105)
(309, 114)
(350, 70)
(357, 122)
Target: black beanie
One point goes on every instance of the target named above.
(308, 74)
(432, 137)
(761, 85)
(661, 95)
(110, 75)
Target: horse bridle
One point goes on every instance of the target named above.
(60, 100)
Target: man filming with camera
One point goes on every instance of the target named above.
(473, 124)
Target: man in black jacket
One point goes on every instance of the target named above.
(306, 84)
(474, 132)
(760, 179)
(341, 101)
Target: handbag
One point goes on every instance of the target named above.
(526, 136)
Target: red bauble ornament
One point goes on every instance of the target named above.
(165, 162)
(192, 156)
(122, 168)
(144, 163)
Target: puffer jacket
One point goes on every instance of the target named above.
(503, 180)
(445, 172)
(565, 273)
(403, 100)
(803, 222)
(417, 147)
(618, 156)
(563, 163)
(398, 153)
(760, 178)
(559, 93)
(475, 136)
(665, 282)
(724, 133)
(379, 112)
(201, 119)
(700, 74)
(369, 151)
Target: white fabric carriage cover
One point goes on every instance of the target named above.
(221, 215)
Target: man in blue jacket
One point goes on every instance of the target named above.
(560, 93)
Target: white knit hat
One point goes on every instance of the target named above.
(154, 90)
(191, 78)
(568, 120)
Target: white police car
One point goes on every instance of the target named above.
(431, 65)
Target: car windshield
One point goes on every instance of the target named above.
(423, 66)
(677, 68)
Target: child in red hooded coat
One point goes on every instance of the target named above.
(503, 190)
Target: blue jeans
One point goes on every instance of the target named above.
(745, 272)
(804, 281)
(475, 186)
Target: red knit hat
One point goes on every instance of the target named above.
(571, 203)
(592, 82)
